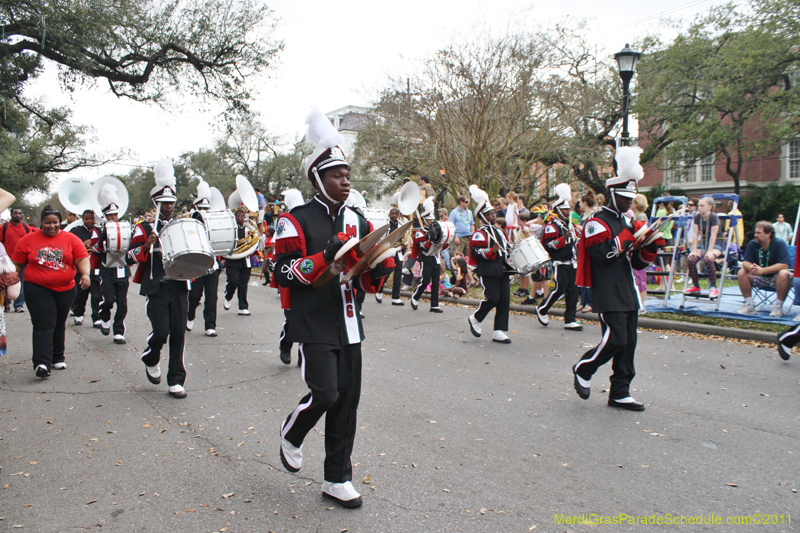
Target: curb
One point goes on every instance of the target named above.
(649, 323)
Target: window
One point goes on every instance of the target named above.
(794, 159)
(707, 168)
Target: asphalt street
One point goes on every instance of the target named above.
(455, 433)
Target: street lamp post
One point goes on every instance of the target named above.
(626, 61)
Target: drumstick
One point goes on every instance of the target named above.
(155, 228)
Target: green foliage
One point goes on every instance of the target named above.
(727, 73)
(36, 142)
(143, 49)
(766, 203)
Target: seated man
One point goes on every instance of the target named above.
(765, 266)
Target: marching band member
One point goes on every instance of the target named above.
(488, 253)
(605, 259)
(430, 263)
(324, 319)
(167, 299)
(84, 233)
(292, 198)
(559, 240)
(397, 278)
(207, 284)
(237, 271)
(113, 279)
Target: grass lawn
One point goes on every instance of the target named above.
(477, 293)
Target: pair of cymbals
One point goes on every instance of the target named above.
(367, 250)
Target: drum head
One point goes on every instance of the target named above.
(189, 265)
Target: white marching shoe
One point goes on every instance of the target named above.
(291, 456)
(177, 391)
(474, 325)
(189, 325)
(501, 337)
(344, 493)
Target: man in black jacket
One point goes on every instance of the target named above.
(167, 299)
(605, 257)
(325, 319)
(84, 233)
(488, 253)
(237, 271)
(559, 241)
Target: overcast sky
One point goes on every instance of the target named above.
(341, 53)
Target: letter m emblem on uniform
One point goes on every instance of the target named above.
(350, 230)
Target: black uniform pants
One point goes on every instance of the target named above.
(333, 376)
(284, 342)
(167, 313)
(238, 278)
(208, 284)
(397, 279)
(789, 338)
(49, 310)
(430, 274)
(497, 296)
(564, 276)
(79, 304)
(113, 290)
(619, 344)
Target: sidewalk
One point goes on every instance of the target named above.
(644, 320)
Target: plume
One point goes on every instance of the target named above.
(321, 132)
(164, 173)
(107, 195)
(628, 162)
(478, 195)
(563, 192)
(292, 198)
(203, 190)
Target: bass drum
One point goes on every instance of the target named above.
(185, 249)
(377, 216)
(529, 255)
(221, 227)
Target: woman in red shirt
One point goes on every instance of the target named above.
(51, 257)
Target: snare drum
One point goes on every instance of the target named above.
(445, 232)
(118, 236)
(528, 256)
(185, 249)
(221, 227)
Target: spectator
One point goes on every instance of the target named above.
(262, 205)
(51, 258)
(765, 266)
(461, 272)
(664, 209)
(783, 230)
(464, 222)
(512, 216)
(445, 252)
(600, 201)
(705, 247)
(71, 217)
(691, 211)
(521, 199)
(10, 235)
(425, 185)
(640, 219)
(10, 291)
(523, 233)
(738, 236)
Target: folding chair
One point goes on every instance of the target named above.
(670, 257)
(765, 295)
(734, 219)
